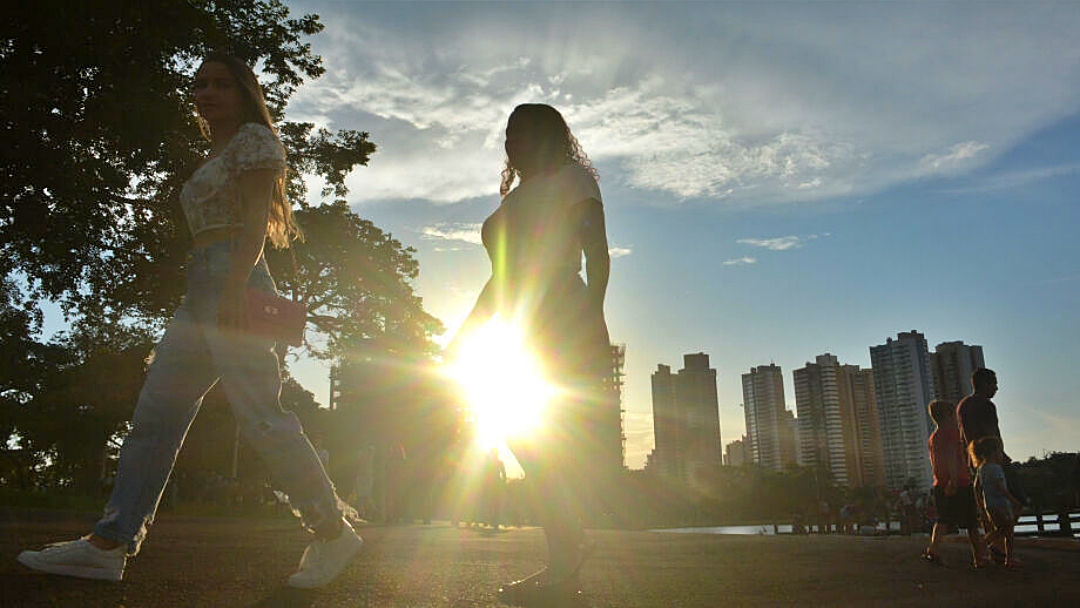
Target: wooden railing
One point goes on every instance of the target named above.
(1049, 524)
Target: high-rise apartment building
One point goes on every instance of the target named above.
(736, 453)
(953, 363)
(666, 422)
(904, 386)
(607, 418)
(686, 419)
(769, 426)
(821, 418)
(838, 423)
(870, 459)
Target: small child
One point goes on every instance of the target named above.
(1001, 507)
(953, 496)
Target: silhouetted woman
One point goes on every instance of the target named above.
(233, 203)
(535, 241)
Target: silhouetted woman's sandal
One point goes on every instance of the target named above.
(539, 589)
(536, 589)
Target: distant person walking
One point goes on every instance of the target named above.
(992, 492)
(954, 498)
(233, 202)
(535, 240)
(494, 488)
(365, 482)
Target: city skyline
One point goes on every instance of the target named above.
(836, 420)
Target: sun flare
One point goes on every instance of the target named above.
(502, 383)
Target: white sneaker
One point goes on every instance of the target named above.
(77, 558)
(323, 560)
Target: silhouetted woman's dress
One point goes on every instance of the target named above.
(534, 241)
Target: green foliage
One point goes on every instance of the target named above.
(1052, 482)
(82, 397)
(100, 134)
(356, 282)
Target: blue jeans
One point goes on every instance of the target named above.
(192, 357)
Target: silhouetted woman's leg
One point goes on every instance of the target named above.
(180, 374)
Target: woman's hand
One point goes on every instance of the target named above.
(233, 307)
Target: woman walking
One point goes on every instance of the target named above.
(535, 240)
(233, 203)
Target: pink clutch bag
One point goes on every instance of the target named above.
(276, 317)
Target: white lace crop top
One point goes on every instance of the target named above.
(211, 196)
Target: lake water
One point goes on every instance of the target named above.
(1026, 526)
(759, 529)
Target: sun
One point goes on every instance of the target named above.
(502, 383)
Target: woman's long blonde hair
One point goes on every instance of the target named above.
(552, 123)
(281, 228)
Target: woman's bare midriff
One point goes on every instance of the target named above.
(213, 236)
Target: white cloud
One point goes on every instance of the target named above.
(780, 243)
(679, 146)
(758, 103)
(619, 252)
(952, 158)
(1016, 179)
(743, 261)
(465, 233)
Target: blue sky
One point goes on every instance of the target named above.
(780, 180)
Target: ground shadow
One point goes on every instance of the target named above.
(287, 597)
(39, 589)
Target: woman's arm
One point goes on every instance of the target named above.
(594, 243)
(256, 193)
(481, 312)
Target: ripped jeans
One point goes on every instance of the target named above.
(192, 357)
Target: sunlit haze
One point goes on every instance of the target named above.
(502, 384)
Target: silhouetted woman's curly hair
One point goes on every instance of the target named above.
(547, 118)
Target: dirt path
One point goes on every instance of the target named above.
(236, 562)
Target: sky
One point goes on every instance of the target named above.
(780, 180)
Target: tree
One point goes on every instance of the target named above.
(99, 136)
(356, 282)
(83, 401)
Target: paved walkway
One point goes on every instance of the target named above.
(227, 562)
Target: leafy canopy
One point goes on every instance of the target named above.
(100, 134)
